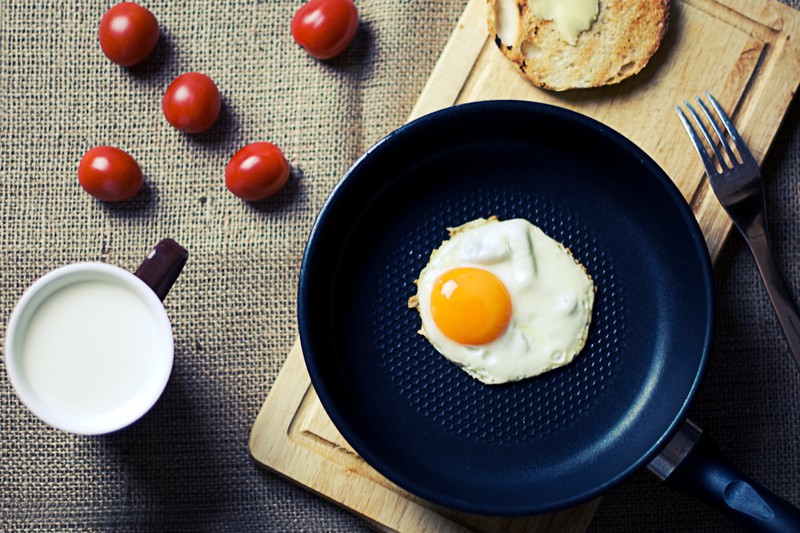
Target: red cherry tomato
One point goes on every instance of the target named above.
(128, 33)
(325, 27)
(110, 174)
(192, 102)
(257, 171)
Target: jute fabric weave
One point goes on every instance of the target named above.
(185, 467)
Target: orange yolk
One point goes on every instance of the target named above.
(470, 306)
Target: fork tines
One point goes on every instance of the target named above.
(744, 154)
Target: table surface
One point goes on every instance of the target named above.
(185, 465)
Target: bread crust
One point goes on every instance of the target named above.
(620, 42)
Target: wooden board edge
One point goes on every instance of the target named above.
(462, 49)
(266, 421)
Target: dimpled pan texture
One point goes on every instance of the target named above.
(539, 444)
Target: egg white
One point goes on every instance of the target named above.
(551, 298)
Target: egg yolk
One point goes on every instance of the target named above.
(470, 306)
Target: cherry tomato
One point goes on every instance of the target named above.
(257, 171)
(128, 33)
(110, 174)
(325, 27)
(192, 102)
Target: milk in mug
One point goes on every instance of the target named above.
(88, 347)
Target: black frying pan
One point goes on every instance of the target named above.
(544, 443)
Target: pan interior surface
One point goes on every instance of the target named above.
(546, 442)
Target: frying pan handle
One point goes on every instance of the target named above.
(706, 474)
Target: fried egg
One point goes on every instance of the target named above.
(504, 301)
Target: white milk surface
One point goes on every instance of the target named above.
(91, 347)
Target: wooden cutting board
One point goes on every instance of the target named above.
(743, 51)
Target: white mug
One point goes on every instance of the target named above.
(89, 346)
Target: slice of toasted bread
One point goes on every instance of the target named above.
(621, 40)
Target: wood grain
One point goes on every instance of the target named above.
(743, 51)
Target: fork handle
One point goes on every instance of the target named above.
(779, 295)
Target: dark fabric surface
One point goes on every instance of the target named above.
(185, 465)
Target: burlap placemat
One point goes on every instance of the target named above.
(185, 465)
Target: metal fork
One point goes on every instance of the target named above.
(739, 188)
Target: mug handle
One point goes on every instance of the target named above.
(162, 266)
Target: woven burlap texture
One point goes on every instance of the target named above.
(185, 465)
